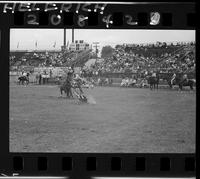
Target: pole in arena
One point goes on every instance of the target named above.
(72, 35)
(36, 45)
(64, 38)
(17, 45)
(64, 47)
(96, 48)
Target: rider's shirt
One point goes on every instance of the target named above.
(174, 76)
(153, 74)
(185, 76)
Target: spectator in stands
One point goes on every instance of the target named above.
(185, 78)
(154, 74)
(44, 77)
(50, 73)
(173, 78)
(40, 78)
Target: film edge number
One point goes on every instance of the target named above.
(56, 19)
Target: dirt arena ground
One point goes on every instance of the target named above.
(122, 120)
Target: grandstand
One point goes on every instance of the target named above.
(48, 58)
(125, 61)
(82, 58)
(163, 59)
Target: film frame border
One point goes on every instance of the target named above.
(155, 15)
(101, 165)
(95, 164)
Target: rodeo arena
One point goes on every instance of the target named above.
(138, 98)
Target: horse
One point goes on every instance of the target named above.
(153, 82)
(66, 87)
(181, 82)
(189, 82)
(23, 79)
(63, 89)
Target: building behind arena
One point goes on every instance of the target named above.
(79, 45)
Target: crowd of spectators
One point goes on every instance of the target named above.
(160, 57)
(126, 59)
(45, 59)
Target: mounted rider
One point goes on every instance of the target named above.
(173, 78)
(153, 74)
(68, 82)
(185, 78)
(70, 73)
(24, 73)
(78, 80)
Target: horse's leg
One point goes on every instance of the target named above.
(70, 92)
(67, 92)
(180, 87)
(170, 85)
(80, 89)
(191, 86)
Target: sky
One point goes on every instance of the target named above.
(16, 177)
(25, 39)
(140, 178)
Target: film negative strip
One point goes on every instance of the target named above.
(98, 89)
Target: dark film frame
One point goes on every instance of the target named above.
(86, 165)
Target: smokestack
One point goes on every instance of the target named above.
(64, 38)
(72, 35)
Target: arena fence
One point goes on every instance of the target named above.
(59, 72)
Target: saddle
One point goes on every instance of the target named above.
(184, 81)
